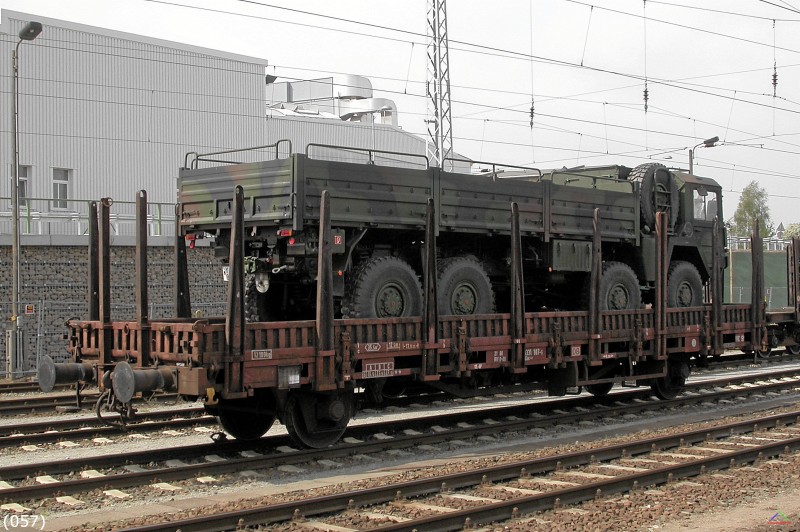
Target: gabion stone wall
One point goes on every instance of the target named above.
(54, 281)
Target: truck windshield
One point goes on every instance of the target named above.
(705, 204)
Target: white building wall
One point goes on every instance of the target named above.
(119, 110)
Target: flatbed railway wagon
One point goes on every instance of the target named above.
(308, 373)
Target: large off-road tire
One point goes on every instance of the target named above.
(656, 177)
(464, 287)
(383, 287)
(684, 285)
(253, 300)
(258, 306)
(619, 288)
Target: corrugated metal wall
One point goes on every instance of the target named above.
(121, 112)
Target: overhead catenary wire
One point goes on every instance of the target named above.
(604, 103)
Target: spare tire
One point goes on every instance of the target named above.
(656, 178)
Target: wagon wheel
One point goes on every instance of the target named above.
(763, 353)
(670, 386)
(464, 288)
(316, 421)
(378, 390)
(247, 419)
(793, 349)
(601, 389)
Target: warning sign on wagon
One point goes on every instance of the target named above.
(30, 309)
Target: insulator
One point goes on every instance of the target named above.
(531, 114)
(774, 82)
(646, 98)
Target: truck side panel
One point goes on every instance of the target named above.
(362, 194)
(480, 204)
(572, 208)
(206, 195)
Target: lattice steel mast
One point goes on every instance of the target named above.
(440, 125)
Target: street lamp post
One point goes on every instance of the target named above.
(29, 32)
(708, 143)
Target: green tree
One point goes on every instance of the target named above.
(752, 206)
(793, 231)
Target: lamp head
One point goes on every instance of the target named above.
(30, 31)
(708, 143)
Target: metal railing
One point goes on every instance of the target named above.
(740, 243)
(775, 297)
(38, 216)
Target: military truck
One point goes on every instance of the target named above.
(378, 219)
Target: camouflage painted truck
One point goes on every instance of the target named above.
(580, 278)
(378, 212)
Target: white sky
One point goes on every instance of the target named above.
(709, 72)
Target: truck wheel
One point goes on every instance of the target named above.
(257, 306)
(657, 192)
(464, 288)
(252, 299)
(684, 286)
(619, 288)
(383, 287)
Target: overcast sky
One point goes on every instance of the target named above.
(709, 72)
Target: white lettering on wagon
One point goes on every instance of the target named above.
(402, 346)
(261, 354)
(534, 352)
(372, 348)
(375, 370)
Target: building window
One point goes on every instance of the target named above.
(24, 172)
(62, 178)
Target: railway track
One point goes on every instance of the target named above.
(215, 461)
(49, 402)
(23, 387)
(512, 491)
(42, 432)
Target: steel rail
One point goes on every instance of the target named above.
(266, 514)
(24, 405)
(128, 479)
(81, 428)
(65, 429)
